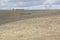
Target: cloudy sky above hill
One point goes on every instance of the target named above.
(29, 4)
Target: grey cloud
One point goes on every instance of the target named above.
(24, 3)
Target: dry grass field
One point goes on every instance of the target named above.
(30, 25)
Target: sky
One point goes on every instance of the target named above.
(29, 4)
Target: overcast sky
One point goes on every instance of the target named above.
(29, 4)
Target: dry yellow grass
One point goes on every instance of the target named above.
(44, 28)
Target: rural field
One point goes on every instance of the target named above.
(29, 24)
